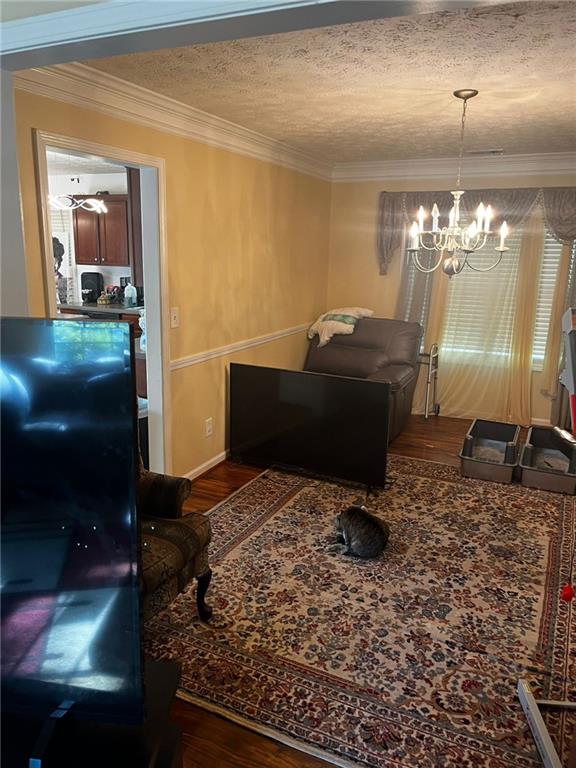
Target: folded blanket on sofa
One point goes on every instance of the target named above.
(342, 320)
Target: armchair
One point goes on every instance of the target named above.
(378, 350)
(174, 546)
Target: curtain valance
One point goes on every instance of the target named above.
(398, 209)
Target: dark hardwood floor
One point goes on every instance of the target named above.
(210, 741)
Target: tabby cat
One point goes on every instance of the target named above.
(360, 533)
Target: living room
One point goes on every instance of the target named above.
(274, 212)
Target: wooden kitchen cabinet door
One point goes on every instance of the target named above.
(86, 237)
(113, 234)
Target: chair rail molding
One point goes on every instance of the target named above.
(237, 346)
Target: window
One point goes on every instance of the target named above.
(77, 341)
(479, 314)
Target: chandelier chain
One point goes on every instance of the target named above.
(461, 155)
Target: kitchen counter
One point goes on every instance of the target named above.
(92, 308)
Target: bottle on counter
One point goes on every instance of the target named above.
(129, 295)
(103, 298)
(142, 324)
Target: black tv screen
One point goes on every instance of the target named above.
(332, 425)
(70, 595)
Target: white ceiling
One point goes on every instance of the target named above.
(381, 90)
(63, 164)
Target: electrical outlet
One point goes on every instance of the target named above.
(209, 427)
(174, 317)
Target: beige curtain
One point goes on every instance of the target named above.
(433, 334)
(518, 409)
(475, 381)
(553, 347)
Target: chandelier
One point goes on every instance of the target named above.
(70, 203)
(455, 242)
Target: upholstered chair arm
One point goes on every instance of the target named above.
(161, 495)
(398, 376)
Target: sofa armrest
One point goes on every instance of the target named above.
(161, 495)
(398, 376)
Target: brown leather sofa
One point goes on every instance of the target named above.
(378, 350)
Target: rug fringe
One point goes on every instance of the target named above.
(263, 730)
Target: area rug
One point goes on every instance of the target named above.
(411, 659)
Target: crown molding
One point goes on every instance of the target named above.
(89, 88)
(444, 168)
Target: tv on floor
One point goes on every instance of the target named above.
(332, 425)
(70, 570)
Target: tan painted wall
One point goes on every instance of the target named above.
(209, 383)
(247, 252)
(353, 273)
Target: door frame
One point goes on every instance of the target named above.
(155, 268)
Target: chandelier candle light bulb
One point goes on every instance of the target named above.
(466, 237)
(414, 236)
(435, 217)
(503, 236)
(421, 217)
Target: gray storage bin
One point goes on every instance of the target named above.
(548, 460)
(490, 451)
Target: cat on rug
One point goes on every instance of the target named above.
(360, 533)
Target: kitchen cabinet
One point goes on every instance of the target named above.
(103, 238)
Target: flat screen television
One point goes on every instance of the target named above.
(333, 425)
(70, 593)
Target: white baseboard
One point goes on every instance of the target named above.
(541, 422)
(201, 468)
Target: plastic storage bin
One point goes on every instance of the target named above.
(548, 460)
(490, 451)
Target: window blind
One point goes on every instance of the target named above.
(480, 306)
(547, 284)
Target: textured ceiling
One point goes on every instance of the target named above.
(381, 90)
(64, 164)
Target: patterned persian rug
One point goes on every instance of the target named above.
(411, 659)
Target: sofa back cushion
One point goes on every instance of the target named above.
(375, 343)
(343, 360)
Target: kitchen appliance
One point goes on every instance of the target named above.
(91, 281)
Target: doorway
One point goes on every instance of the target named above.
(104, 257)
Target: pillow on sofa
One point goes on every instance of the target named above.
(342, 320)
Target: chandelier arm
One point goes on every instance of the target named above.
(426, 270)
(429, 247)
(463, 263)
(485, 269)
